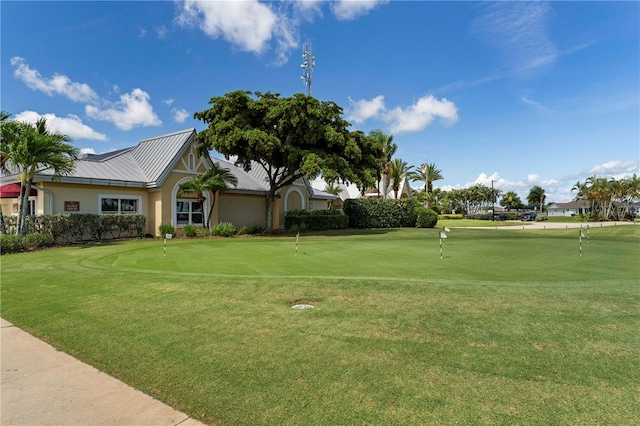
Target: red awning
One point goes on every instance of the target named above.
(12, 190)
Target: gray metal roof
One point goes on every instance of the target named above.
(145, 165)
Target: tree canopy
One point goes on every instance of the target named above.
(288, 138)
(30, 147)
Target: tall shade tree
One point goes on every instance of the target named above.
(288, 138)
(217, 178)
(388, 149)
(32, 147)
(399, 171)
(536, 196)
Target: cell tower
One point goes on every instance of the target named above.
(308, 62)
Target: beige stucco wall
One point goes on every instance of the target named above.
(242, 209)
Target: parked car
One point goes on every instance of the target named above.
(499, 216)
(528, 216)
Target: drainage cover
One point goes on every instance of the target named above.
(302, 306)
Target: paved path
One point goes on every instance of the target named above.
(43, 386)
(549, 225)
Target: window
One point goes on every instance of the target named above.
(192, 162)
(115, 204)
(188, 211)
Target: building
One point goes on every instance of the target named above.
(144, 179)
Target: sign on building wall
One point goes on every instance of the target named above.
(72, 206)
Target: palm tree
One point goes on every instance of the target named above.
(4, 159)
(332, 189)
(399, 170)
(428, 173)
(215, 179)
(510, 200)
(30, 148)
(388, 149)
(536, 196)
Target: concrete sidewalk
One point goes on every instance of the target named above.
(42, 386)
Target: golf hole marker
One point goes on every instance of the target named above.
(443, 236)
(581, 237)
(166, 237)
(297, 239)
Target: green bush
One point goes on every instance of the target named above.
(11, 243)
(189, 230)
(426, 218)
(166, 228)
(380, 213)
(224, 229)
(35, 241)
(315, 220)
(249, 230)
(202, 233)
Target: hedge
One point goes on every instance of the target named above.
(380, 213)
(315, 220)
(79, 227)
(12, 243)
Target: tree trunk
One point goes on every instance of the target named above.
(208, 220)
(24, 207)
(3, 229)
(271, 200)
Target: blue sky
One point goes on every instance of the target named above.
(521, 93)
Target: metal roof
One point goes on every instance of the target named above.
(145, 165)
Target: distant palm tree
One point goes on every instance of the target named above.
(399, 171)
(215, 179)
(4, 159)
(388, 149)
(31, 147)
(427, 173)
(536, 197)
(332, 189)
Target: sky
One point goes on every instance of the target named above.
(509, 94)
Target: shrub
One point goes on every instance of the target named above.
(249, 230)
(202, 232)
(189, 230)
(380, 213)
(426, 218)
(316, 220)
(36, 240)
(224, 229)
(11, 243)
(166, 228)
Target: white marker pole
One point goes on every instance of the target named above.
(587, 228)
(297, 238)
(443, 236)
(581, 236)
(166, 237)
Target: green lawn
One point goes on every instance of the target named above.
(511, 327)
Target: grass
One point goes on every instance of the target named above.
(511, 327)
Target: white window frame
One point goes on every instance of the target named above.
(120, 197)
(190, 213)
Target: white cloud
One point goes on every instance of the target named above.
(84, 151)
(132, 110)
(248, 25)
(404, 120)
(168, 101)
(179, 115)
(58, 84)
(615, 168)
(71, 125)
(421, 114)
(519, 31)
(363, 109)
(536, 105)
(346, 10)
